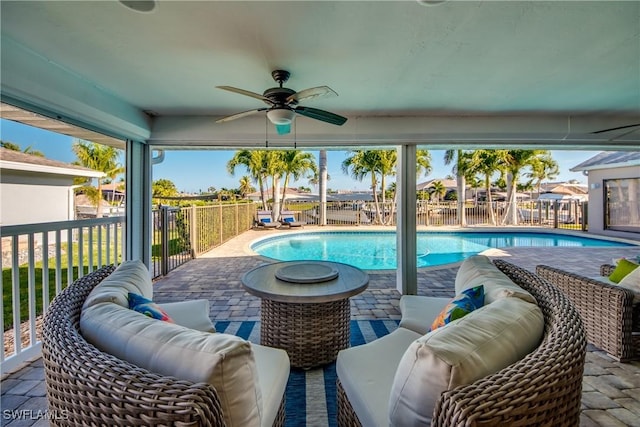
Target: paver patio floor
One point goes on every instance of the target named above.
(611, 390)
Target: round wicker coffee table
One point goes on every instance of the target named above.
(305, 307)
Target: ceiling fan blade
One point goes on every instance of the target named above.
(240, 115)
(322, 115)
(314, 92)
(283, 129)
(246, 93)
(616, 128)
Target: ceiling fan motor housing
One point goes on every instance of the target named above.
(278, 96)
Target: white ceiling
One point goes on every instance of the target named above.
(542, 62)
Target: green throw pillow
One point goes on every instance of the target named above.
(623, 268)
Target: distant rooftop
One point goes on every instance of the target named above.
(17, 160)
(609, 159)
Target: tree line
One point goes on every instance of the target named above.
(275, 169)
(508, 169)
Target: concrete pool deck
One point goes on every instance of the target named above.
(611, 390)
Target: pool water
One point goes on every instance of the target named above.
(377, 250)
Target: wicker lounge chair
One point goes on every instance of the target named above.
(288, 219)
(265, 220)
(90, 387)
(543, 388)
(611, 319)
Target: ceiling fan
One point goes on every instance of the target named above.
(283, 104)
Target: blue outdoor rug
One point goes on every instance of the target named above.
(311, 395)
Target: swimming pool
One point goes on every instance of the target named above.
(377, 250)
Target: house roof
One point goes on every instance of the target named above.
(448, 183)
(18, 161)
(608, 160)
(568, 189)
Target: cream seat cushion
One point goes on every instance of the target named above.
(273, 367)
(479, 270)
(192, 314)
(225, 361)
(366, 373)
(418, 312)
(479, 344)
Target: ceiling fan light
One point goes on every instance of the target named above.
(281, 116)
(139, 5)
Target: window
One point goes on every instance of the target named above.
(622, 204)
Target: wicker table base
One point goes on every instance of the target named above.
(311, 333)
(305, 307)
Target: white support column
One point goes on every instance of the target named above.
(138, 202)
(322, 186)
(406, 275)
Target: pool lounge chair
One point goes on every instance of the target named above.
(287, 218)
(264, 220)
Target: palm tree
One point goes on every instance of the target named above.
(245, 186)
(459, 169)
(486, 163)
(515, 162)
(543, 167)
(381, 163)
(423, 162)
(273, 167)
(253, 161)
(438, 190)
(315, 178)
(98, 157)
(360, 164)
(295, 164)
(387, 160)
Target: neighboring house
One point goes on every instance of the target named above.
(614, 192)
(35, 189)
(568, 188)
(449, 184)
(113, 192)
(291, 194)
(112, 203)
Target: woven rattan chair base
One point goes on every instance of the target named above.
(311, 333)
(88, 387)
(346, 415)
(542, 389)
(611, 318)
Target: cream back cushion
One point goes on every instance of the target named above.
(632, 282)
(479, 270)
(130, 276)
(479, 344)
(222, 360)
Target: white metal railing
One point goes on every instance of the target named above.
(38, 261)
(558, 214)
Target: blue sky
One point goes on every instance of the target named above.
(193, 171)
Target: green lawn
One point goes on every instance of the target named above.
(7, 290)
(23, 275)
